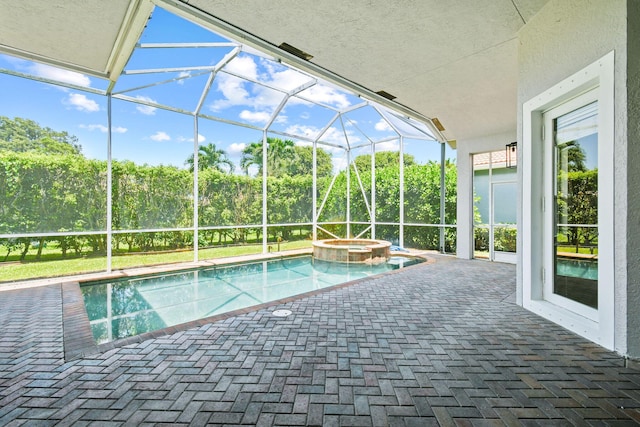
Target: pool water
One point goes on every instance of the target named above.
(127, 307)
(585, 269)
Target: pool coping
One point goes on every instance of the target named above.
(149, 269)
(78, 338)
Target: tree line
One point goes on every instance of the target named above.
(47, 185)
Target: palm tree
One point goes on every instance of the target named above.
(252, 155)
(210, 157)
(280, 154)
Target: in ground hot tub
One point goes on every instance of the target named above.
(351, 250)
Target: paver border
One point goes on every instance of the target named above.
(78, 338)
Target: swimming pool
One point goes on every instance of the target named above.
(126, 307)
(582, 268)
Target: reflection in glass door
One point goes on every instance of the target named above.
(575, 204)
(494, 207)
(502, 231)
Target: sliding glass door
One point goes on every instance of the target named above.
(495, 194)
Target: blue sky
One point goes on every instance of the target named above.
(146, 134)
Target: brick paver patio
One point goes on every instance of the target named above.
(437, 344)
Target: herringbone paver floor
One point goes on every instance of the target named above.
(439, 344)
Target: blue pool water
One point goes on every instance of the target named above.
(127, 307)
(585, 269)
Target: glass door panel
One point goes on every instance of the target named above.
(504, 211)
(494, 207)
(575, 205)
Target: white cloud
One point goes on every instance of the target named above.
(81, 103)
(383, 125)
(146, 109)
(255, 116)
(243, 65)
(335, 135)
(233, 91)
(59, 74)
(284, 77)
(388, 146)
(237, 92)
(201, 139)
(103, 129)
(327, 95)
(236, 149)
(183, 74)
(281, 118)
(303, 130)
(160, 136)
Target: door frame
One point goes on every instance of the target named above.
(499, 256)
(550, 163)
(598, 76)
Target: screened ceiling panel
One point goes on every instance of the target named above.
(368, 121)
(181, 30)
(406, 126)
(182, 66)
(181, 91)
(241, 100)
(133, 82)
(329, 96)
(302, 118)
(153, 58)
(269, 72)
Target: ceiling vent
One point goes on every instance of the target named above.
(295, 51)
(386, 95)
(437, 124)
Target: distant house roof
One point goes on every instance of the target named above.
(497, 158)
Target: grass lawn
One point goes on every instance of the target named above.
(15, 271)
(582, 250)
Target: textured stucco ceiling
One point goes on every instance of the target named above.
(77, 33)
(455, 60)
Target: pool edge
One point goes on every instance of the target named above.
(81, 345)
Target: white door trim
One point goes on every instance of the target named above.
(598, 76)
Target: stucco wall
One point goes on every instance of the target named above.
(633, 178)
(465, 148)
(564, 37)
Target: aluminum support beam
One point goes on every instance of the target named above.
(442, 196)
(373, 191)
(109, 186)
(196, 190)
(264, 194)
(348, 232)
(401, 195)
(314, 186)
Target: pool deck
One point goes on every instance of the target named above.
(441, 343)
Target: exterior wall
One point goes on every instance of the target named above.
(633, 179)
(563, 38)
(465, 148)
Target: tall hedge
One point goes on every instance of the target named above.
(59, 193)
